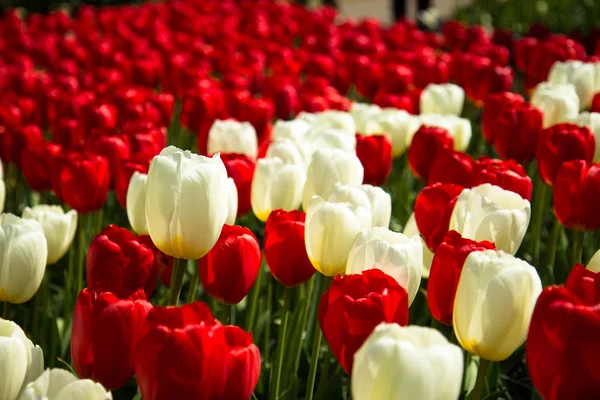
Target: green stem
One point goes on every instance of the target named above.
(232, 314)
(275, 386)
(536, 223)
(577, 247)
(552, 247)
(80, 253)
(254, 300)
(314, 361)
(481, 376)
(269, 320)
(5, 310)
(324, 373)
(176, 281)
(99, 220)
(298, 336)
(191, 295)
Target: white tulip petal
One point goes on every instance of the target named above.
(136, 203)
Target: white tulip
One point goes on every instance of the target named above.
(290, 151)
(59, 384)
(59, 228)
(407, 362)
(442, 99)
(330, 138)
(559, 103)
(592, 121)
(580, 74)
(136, 203)
(23, 255)
(397, 255)
(330, 119)
(361, 113)
(393, 123)
(186, 202)
(232, 202)
(276, 185)
(2, 194)
(373, 198)
(294, 129)
(411, 229)
(231, 136)
(494, 301)
(459, 128)
(328, 167)
(594, 264)
(20, 363)
(330, 231)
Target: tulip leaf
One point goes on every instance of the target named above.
(495, 395)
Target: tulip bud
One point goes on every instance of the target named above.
(231, 136)
(138, 163)
(494, 301)
(581, 75)
(372, 198)
(394, 124)
(60, 384)
(276, 185)
(37, 169)
(136, 203)
(232, 202)
(59, 228)
(488, 212)
(362, 113)
(407, 362)
(290, 151)
(295, 129)
(328, 167)
(375, 155)
(23, 262)
(115, 148)
(450, 166)
(328, 138)
(509, 175)
(186, 202)
(343, 308)
(395, 254)
(426, 144)
(442, 99)
(559, 103)
(459, 128)
(330, 119)
(241, 169)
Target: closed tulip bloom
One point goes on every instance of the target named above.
(230, 268)
(136, 203)
(330, 119)
(518, 129)
(459, 128)
(375, 155)
(106, 330)
(37, 168)
(290, 151)
(81, 180)
(240, 168)
(450, 166)
(295, 129)
(119, 262)
(442, 99)
(187, 354)
(580, 74)
(60, 384)
(427, 142)
(138, 163)
(114, 147)
(330, 231)
(576, 195)
(410, 230)
(231, 136)
(232, 202)
(558, 102)
(397, 255)
(23, 260)
(372, 198)
(59, 228)
(409, 362)
(361, 113)
(285, 249)
(354, 305)
(592, 121)
(563, 337)
(594, 264)
(186, 202)
(562, 143)
(509, 175)
(394, 124)
(328, 167)
(328, 138)
(276, 185)
(445, 272)
(494, 301)
(21, 363)
(494, 105)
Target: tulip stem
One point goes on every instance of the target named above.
(539, 204)
(481, 376)
(191, 295)
(81, 228)
(298, 335)
(5, 310)
(254, 301)
(577, 247)
(287, 298)
(176, 281)
(552, 247)
(314, 361)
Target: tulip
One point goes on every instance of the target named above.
(494, 301)
(14, 143)
(576, 193)
(442, 99)
(410, 362)
(138, 163)
(330, 231)
(559, 103)
(115, 148)
(106, 330)
(241, 169)
(330, 119)
(328, 138)
(494, 105)
(23, 261)
(426, 144)
(59, 228)
(362, 113)
(236, 254)
(276, 185)
(594, 263)
(59, 384)
(232, 202)
(563, 336)
(187, 354)
(592, 121)
(562, 143)
(186, 202)
(290, 151)
(354, 305)
(295, 129)
(375, 155)
(372, 198)
(395, 254)
(410, 230)
(136, 203)
(394, 124)
(328, 167)
(444, 275)
(232, 137)
(81, 180)
(22, 362)
(450, 166)
(579, 74)
(285, 249)
(488, 212)
(509, 175)
(458, 128)
(37, 168)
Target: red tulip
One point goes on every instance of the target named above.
(37, 166)
(433, 209)
(509, 175)
(241, 169)
(101, 116)
(450, 166)
(229, 270)
(563, 337)
(425, 145)
(81, 180)
(596, 103)
(375, 155)
(577, 195)
(446, 267)
(115, 148)
(140, 163)
(285, 251)
(14, 143)
(68, 133)
(106, 330)
(260, 113)
(162, 262)
(396, 78)
(354, 305)
(187, 354)
(145, 138)
(199, 109)
(493, 107)
(561, 143)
